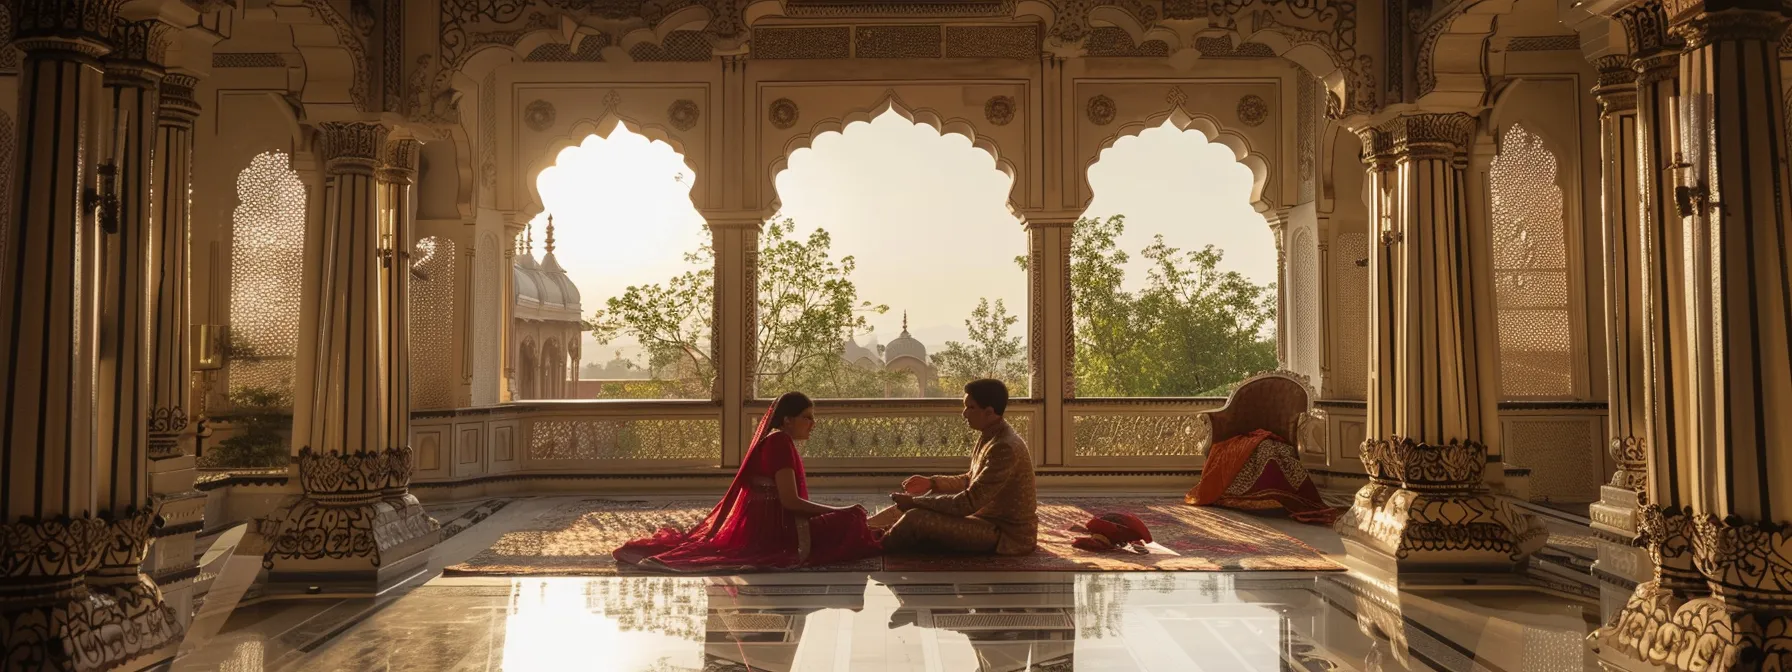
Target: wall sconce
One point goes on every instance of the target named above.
(386, 250)
(208, 355)
(104, 201)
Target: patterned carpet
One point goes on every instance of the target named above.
(576, 539)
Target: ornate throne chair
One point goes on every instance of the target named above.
(1279, 401)
(1264, 476)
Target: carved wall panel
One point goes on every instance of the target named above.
(434, 370)
(673, 439)
(1134, 106)
(1349, 315)
(1140, 435)
(580, 110)
(1563, 454)
(947, 107)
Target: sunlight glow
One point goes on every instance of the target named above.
(622, 216)
(1194, 192)
(925, 215)
(559, 623)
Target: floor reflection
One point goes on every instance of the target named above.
(934, 622)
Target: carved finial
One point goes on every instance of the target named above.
(529, 240)
(905, 322)
(549, 243)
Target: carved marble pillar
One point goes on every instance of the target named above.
(1050, 342)
(1427, 506)
(1278, 230)
(1734, 438)
(397, 175)
(51, 616)
(735, 340)
(355, 528)
(171, 458)
(1616, 93)
(126, 286)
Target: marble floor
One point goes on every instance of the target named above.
(893, 622)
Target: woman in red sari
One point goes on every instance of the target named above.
(766, 520)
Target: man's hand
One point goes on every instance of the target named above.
(917, 485)
(903, 500)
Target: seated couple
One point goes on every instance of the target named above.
(766, 520)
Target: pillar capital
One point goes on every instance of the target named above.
(398, 160)
(1420, 135)
(352, 146)
(1616, 87)
(138, 48)
(179, 105)
(80, 27)
(1049, 219)
(735, 219)
(1645, 26)
(1738, 21)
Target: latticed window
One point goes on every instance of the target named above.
(432, 324)
(267, 253)
(1530, 269)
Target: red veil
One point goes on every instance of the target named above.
(749, 529)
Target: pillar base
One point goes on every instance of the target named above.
(346, 548)
(71, 597)
(1658, 630)
(1407, 530)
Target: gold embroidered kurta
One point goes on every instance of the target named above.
(996, 500)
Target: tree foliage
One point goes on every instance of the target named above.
(991, 352)
(1191, 331)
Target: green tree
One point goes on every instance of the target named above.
(807, 304)
(1191, 331)
(991, 353)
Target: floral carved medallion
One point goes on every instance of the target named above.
(683, 114)
(1252, 110)
(999, 110)
(539, 115)
(782, 113)
(1101, 110)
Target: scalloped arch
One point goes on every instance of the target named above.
(891, 102)
(1208, 126)
(576, 134)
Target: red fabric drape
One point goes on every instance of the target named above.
(1280, 484)
(749, 529)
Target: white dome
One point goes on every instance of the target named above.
(905, 346)
(552, 272)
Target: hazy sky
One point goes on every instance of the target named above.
(923, 214)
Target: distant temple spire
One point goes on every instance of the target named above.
(905, 323)
(550, 234)
(529, 240)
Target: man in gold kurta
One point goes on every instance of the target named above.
(992, 508)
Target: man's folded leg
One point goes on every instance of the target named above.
(924, 531)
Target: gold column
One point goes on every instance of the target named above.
(735, 338)
(1427, 506)
(397, 175)
(52, 608)
(171, 467)
(355, 528)
(1714, 500)
(1616, 93)
(1051, 339)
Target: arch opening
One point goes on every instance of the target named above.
(617, 261)
(1173, 271)
(909, 228)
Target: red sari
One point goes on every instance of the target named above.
(749, 530)
(1259, 472)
